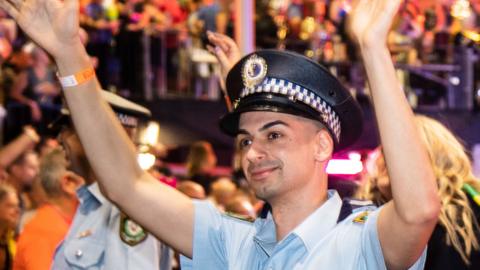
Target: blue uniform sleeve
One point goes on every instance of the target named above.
(208, 239)
(371, 249)
(217, 239)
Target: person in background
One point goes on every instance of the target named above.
(43, 233)
(191, 189)
(221, 192)
(455, 243)
(201, 162)
(240, 206)
(21, 175)
(102, 236)
(100, 29)
(37, 88)
(12, 151)
(9, 217)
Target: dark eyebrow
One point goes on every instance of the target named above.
(266, 126)
(271, 124)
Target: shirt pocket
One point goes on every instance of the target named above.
(85, 253)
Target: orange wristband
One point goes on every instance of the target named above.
(78, 78)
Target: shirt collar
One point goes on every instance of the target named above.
(92, 191)
(320, 222)
(95, 191)
(310, 231)
(266, 233)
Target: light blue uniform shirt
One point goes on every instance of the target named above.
(223, 242)
(93, 241)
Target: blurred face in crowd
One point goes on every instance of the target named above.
(10, 210)
(75, 153)
(278, 152)
(26, 170)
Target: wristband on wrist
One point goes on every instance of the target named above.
(77, 78)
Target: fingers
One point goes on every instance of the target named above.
(221, 56)
(219, 40)
(16, 3)
(9, 8)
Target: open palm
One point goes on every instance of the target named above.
(52, 24)
(371, 20)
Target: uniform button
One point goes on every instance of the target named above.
(79, 253)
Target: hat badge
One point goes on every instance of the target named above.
(254, 71)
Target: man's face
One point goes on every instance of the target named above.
(26, 171)
(277, 152)
(74, 153)
(10, 210)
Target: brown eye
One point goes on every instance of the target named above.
(274, 136)
(243, 143)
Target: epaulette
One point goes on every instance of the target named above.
(240, 217)
(350, 206)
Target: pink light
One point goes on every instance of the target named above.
(344, 166)
(354, 156)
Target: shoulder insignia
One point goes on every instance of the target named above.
(240, 217)
(361, 218)
(84, 234)
(130, 232)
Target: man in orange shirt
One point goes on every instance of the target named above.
(41, 236)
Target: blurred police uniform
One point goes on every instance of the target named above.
(101, 237)
(289, 83)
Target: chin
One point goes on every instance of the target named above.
(264, 193)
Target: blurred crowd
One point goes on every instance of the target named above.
(150, 49)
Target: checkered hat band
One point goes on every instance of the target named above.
(297, 93)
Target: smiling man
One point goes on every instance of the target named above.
(290, 115)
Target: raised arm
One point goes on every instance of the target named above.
(406, 223)
(27, 140)
(168, 214)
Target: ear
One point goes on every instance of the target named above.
(323, 146)
(70, 182)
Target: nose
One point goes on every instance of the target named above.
(255, 153)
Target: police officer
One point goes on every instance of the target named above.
(290, 115)
(101, 236)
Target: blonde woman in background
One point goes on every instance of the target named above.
(9, 217)
(455, 241)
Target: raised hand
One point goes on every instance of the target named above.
(225, 49)
(52, 24)
(370, 20)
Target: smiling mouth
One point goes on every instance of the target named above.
(262, 173)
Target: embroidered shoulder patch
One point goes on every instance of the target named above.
(130, 232)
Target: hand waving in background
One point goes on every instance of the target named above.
(52, 24)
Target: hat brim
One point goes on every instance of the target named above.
(351, 129)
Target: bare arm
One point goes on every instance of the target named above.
(406, 223)
(14, 149)
(165, 212)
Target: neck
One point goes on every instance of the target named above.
(291, 210)
(66, 205)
